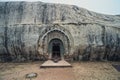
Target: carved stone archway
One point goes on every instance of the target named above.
(55, 32)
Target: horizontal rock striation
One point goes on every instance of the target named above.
(89, 35)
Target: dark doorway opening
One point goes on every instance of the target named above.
(56, 51)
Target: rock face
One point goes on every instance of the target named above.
(36, 31)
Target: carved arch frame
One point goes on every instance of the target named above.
(44, 40)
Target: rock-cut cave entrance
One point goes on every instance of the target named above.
(56, 49)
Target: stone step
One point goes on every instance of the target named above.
(52, 64)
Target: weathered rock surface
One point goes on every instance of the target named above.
(89, 35)
(31, 75)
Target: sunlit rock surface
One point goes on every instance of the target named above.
(26, 29)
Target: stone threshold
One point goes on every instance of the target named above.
(52, 64)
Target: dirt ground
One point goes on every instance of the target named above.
(79, 71)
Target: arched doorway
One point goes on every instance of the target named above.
(56, 49)
(47, 37)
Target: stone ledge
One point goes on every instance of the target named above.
(51, 64)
